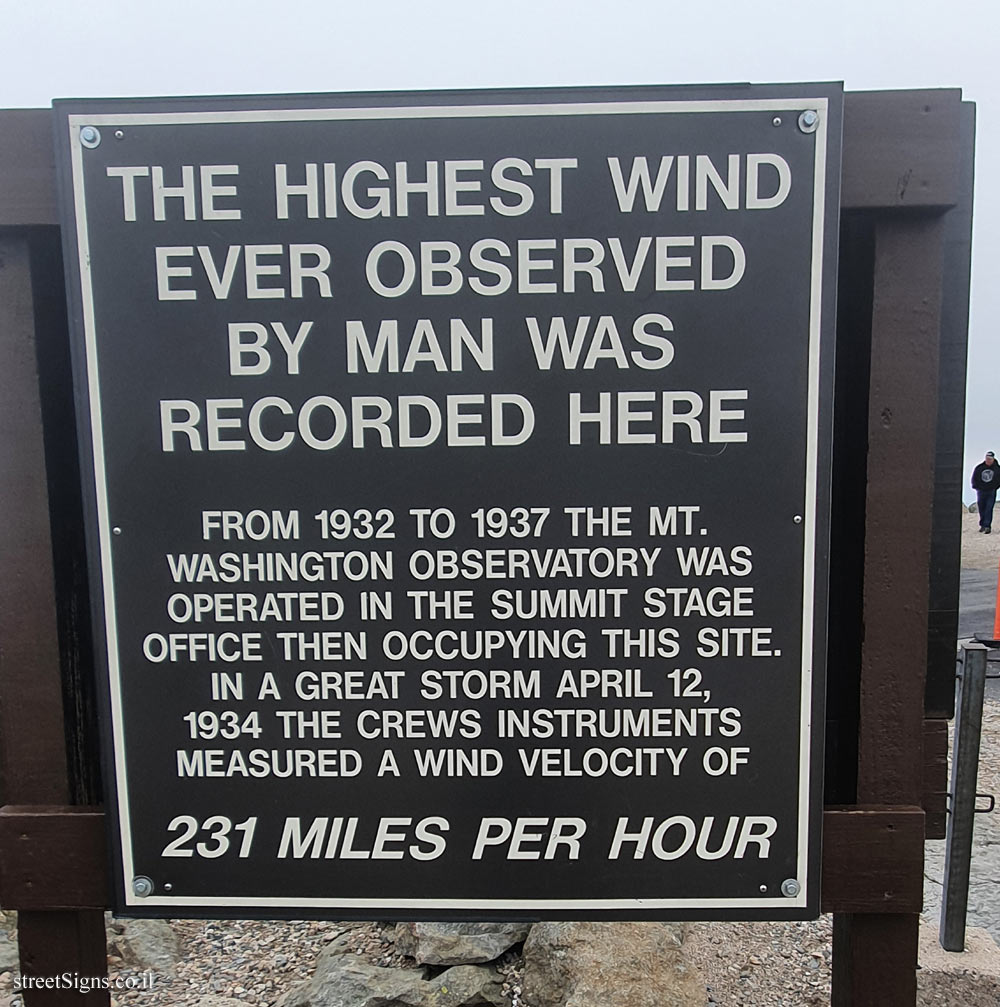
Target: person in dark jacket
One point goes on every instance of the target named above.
(986, 482)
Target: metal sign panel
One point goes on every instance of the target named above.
(460, 496)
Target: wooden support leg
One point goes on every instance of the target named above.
(867, 953)
(54, 943)
(876, 956)
(33, 767)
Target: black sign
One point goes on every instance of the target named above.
(460, 497)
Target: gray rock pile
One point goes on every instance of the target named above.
(456, 966)
(457, 943)
(350, 983)
(478, 965)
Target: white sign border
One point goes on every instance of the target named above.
(76, 121)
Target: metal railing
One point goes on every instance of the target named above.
(970, 691)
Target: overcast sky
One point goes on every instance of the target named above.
(108, 48)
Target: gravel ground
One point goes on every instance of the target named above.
(764, 964)
(255, 961)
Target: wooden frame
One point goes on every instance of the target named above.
(907, 164)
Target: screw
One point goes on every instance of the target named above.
(776, 121)
(790, 888)
(763, 889)
(116, 530)
(90, 136)
(797, 519)
(808, 120)
(119, 134)
(142, 886)
(168, 887)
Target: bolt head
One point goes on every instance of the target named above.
(808, 120)
(90, 136)
(142, 887)
(776, 121)
(790, 888)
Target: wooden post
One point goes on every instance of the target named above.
(875, 956)
(33, 763)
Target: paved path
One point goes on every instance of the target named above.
(976, 609)
(978, 598)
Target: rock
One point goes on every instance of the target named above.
(609, 965)
(148, 944)
(457, 943)
(8, 920)
(340, 945)
(343, 981)
(464, 986)
(214, 1001)
(9, 958)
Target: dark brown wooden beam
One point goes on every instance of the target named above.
(873, 860)
(902, 417)
(901, 150)
(33, 762)
(32, 736)
(949, 469)
(27, 168)
(53, 858)
(902, 414)
(863, 946)
(54, 943)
